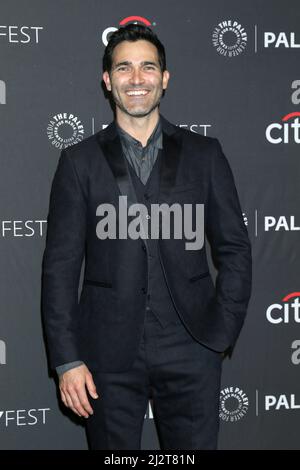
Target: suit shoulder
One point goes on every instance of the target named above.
(196, 140)
(83, 145)
(81, 150)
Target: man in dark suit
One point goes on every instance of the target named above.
(150, 323)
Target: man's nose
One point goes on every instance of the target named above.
(136, 76)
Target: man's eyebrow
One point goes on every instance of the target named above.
(127, 62)
(149, 62)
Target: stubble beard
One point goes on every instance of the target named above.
(137, 113)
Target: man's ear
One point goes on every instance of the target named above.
(166, 77)
(106, 79)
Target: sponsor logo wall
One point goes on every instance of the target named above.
(235, 76)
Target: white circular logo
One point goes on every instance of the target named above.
(64, 129)
(234, 404)
(229, 38)
(105, 34)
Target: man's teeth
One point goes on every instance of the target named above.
(136, 93)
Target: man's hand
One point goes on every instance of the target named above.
(72, 385)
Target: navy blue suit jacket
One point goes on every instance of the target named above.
(104, 327)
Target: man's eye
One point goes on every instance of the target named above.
(122, 68)
(149, 67)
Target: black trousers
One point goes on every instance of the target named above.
(179, 374)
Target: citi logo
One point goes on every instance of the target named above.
(2, 352)
(286, 40)
(286, 312)
(23, 417)
(129, 19)
(2, 92)
(285, 131)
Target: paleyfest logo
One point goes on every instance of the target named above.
(65, 129)
(229, 38)
(23, 417)
(234, 404)
(124, 22)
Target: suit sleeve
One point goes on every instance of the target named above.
(230, 245)
(62, 261)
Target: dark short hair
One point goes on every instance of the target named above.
(133, 32)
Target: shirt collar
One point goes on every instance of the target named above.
(155, 138)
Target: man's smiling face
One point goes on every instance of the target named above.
(136, 80)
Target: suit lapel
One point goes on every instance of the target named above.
(172, 145)
(111, 147)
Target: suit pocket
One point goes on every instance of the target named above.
(99, 303)
(199, 276)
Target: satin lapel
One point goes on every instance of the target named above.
(112, 150)
(172, 145)
(111, 147)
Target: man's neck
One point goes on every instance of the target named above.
(139, 128)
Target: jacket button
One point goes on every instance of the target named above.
(144, 290)
(143, 247)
